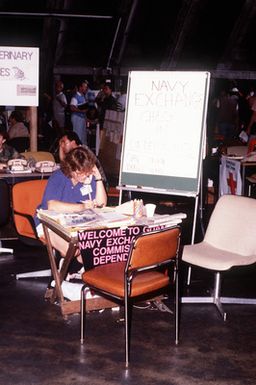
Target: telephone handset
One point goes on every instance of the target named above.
(45, 166)
(17, 164)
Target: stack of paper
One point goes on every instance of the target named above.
(81, 218)
(166, 219)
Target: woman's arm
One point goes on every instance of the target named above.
(101, 195)
(74, 106)
(76, 109)
(66, 207)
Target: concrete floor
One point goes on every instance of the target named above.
(38, 347)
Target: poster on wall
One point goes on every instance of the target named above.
(19, 74)
(230, 177)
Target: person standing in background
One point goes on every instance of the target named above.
(89, 95)
(251, 128)
(109, 102)
(78, 109)
(59, 105)
(227, 115)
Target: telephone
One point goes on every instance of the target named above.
(17, 164)
(45, 166)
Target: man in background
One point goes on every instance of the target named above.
(109, 102)
(59, 105)
(68, 142)
(78, 109)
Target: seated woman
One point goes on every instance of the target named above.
(18, 133)
(76, 186)
(6, 152)
(17, 128)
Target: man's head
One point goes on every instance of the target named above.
(69, 141)
(59, 86)
(107, 89)
(82, 87)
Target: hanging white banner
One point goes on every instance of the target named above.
(19, 73)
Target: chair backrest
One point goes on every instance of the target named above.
(26, 196)
(5, 207)
(154, 248)
(20, 143)
(38, 155)
(232, 226)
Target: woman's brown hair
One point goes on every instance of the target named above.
(79, 159)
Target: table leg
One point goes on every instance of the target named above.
(58, 276)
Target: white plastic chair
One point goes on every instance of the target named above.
(229, 241)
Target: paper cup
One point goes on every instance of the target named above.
(150, 209)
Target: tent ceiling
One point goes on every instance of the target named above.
(98, 37)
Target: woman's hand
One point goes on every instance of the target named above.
(96, 173)
(101, 196)
(88, 204)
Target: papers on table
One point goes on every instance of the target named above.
(80, 218)
(114, 219)
(126, 208)
(107, 217)
(164, 220)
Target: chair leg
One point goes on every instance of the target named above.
(189, 275)
(82, 313)
(5, 249)
(216, 296)
(177, 308)
(128, 318)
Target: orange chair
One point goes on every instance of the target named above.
(142, 276)
(26, 196)
(113, 196)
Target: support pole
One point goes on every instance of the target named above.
(33, 128)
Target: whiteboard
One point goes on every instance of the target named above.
(19, 74)
(164, 131)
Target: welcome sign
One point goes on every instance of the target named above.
(99, 247)
(19, 74)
